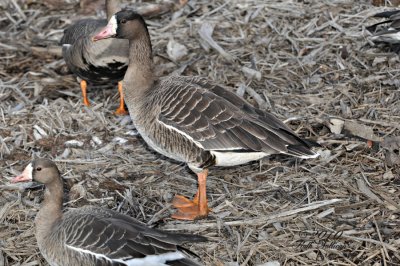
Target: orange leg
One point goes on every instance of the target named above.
(84, 93)
(121, 109)
(196, 208)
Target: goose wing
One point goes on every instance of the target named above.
(81, 29)
(97, 62)
(216, 119)
(386, 31)
(107, 236)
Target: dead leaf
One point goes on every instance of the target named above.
(336, 125)
(77, 191)
(352, 128)
(205, 33)
(360, 130)
(362, 186)
(175, 50)
(251, 73)
(379, 60)
(388, 175)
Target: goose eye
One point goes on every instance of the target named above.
(38, 168)
(123, 21)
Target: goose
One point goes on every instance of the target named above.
(387, 31)
(97, 236)
(193, 120)
(98, 63)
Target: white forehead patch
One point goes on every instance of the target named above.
(28, 171)
(113, 24)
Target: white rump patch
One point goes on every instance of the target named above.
(156, 260)
(308, 156)
(236, 158)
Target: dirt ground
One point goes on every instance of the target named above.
(308, 62)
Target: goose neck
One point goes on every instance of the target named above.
(51, 210)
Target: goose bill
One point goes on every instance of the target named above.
(26, 175)
(108, 31)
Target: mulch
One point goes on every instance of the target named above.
(310, 63)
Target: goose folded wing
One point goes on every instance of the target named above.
(386, 31)
(216, 119)
(114, 239)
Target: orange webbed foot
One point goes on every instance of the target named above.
(196, 208)
(188, 215)
(180, 201)
(121, 111)
(189, 209)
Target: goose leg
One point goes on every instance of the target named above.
(121, 109)
(196, 208)
(84, 93)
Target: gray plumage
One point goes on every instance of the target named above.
(97, 236)
(98, 62)
(387, 31)
(94, 236)
(189, 119)
(193, 120)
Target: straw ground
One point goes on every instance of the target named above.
(305, 61)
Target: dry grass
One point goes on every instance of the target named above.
(314, 65)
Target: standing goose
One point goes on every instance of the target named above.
(98, 63)
(97, 236)
(191, 120)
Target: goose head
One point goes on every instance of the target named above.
(126, 24)
(40, 170)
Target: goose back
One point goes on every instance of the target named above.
(96, 236)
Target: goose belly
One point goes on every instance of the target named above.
(236, 158)
(171, 143)
(162, 150)
(111, 72)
